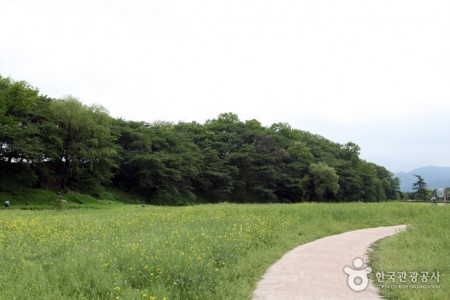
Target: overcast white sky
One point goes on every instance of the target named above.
(373, 72)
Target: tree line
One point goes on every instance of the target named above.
(64, 144)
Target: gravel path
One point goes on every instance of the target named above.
(316, 270)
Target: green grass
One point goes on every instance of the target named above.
(38, 199)
(196, 252)
(424, 248)
(118, 195)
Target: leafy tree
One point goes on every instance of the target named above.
(420, 186)
(27, 134)
(269, 163)
(351, 152)
(178, 160)
(390, 184)
(323, 180)
(290, 183)
(87, 155)
(159, 160)
(134, 140)
(17, 133)
(224, 158)
(48, 141)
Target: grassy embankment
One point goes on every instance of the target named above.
(38, 199)
(200, 252)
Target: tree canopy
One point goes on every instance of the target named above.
(62, 143)
(420, 186)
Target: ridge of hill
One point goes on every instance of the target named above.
(434, 176)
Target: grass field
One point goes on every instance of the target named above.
(199, 252)
(38, 199)
(418, 260)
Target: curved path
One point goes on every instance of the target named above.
(316, 270)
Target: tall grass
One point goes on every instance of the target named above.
(423, 249)
(200, 252)
(38, 199)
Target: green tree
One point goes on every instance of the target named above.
(269, 166)
(224, 161)
(88, 155)
(323, 179)
(43, 141)
(175, 162)
(17, 134)
(159, 161)
(290, 185)
(420, 186)
(27, 133)
(134, 140)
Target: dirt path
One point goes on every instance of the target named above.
(316, 270)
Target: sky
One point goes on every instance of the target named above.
(376, 72)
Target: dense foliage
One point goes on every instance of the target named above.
(420, 188)
(62, 143)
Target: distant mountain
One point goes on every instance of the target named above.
(435, 177)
